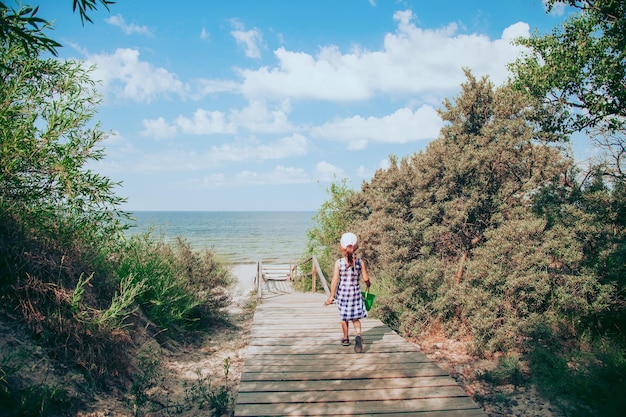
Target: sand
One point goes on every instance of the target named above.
(245, 274)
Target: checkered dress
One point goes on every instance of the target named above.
(349, 300)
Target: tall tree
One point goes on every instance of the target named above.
(580, 71)
(46, 144)
(581, 65)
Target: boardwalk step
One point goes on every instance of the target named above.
(295, 366)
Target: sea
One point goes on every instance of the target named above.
(237, 237)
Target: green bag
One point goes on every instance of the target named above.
(368, 298)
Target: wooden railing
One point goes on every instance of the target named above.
(295, 272)
(316, 272)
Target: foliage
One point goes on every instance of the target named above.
(46, 143)
(59, 218)
(331, 222)
(588, 381)
(581, 65)
(488, 234)
(25, 28)
(71, 284)
(579, 70)
(508, 371)
(177, 286)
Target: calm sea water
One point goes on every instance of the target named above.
(239, 237)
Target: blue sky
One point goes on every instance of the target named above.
(259, 105)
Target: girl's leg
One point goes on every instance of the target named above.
(358, 340)
(344, 327)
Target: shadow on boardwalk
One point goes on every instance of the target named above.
(295, 366)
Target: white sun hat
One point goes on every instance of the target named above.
(348, 239)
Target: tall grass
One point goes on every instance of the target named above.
(174, 285)
(83, 310)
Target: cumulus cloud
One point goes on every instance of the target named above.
(277, 176)
(413, 61)
(129, 29)
(181, 160)
(256, 117)
(123, 74)
(158, 129)
(250, 127)
(280, 175)
(250, 39)
(327, 172)
(205, 123)
(290, 146)
(402, 126)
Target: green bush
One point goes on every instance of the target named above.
(487, 235)
(174, 285)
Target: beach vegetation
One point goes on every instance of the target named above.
(79, 298)
(494, 235)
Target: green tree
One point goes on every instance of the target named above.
(23, 25)
(46, 144)
(581, 65)
(580, 71)
(331, 221)
(480, 232)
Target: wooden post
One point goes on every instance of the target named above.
(259, 279)
(316, 267)
(313, 283)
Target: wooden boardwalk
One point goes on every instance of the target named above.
(296, 366)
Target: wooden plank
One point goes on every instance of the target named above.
(425, 370)
(295, 366)
(395, 383)
(358, 408)
(348, 360)
(351, 395)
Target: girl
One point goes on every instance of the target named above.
(345, 284)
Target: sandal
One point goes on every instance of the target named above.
(358, 344)
(345, 342)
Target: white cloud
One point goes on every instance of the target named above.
(216, 180)
(257, 117)
(158, 129)
(402, 126)
(291, 146)
(250, 40)
(197, 89)
(128, 29)
(413, 61)
(558, 9)
(204, 34)
(327, 172)
(123, 74)
(180, 160)
(280, 175)
(205, 123)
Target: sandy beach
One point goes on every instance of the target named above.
(245, 274)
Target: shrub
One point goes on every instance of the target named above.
(174, 285)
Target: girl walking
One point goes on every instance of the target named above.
(346, 287)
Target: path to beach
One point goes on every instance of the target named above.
(245, 274)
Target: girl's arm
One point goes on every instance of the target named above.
(334, 284)
(366, 277)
